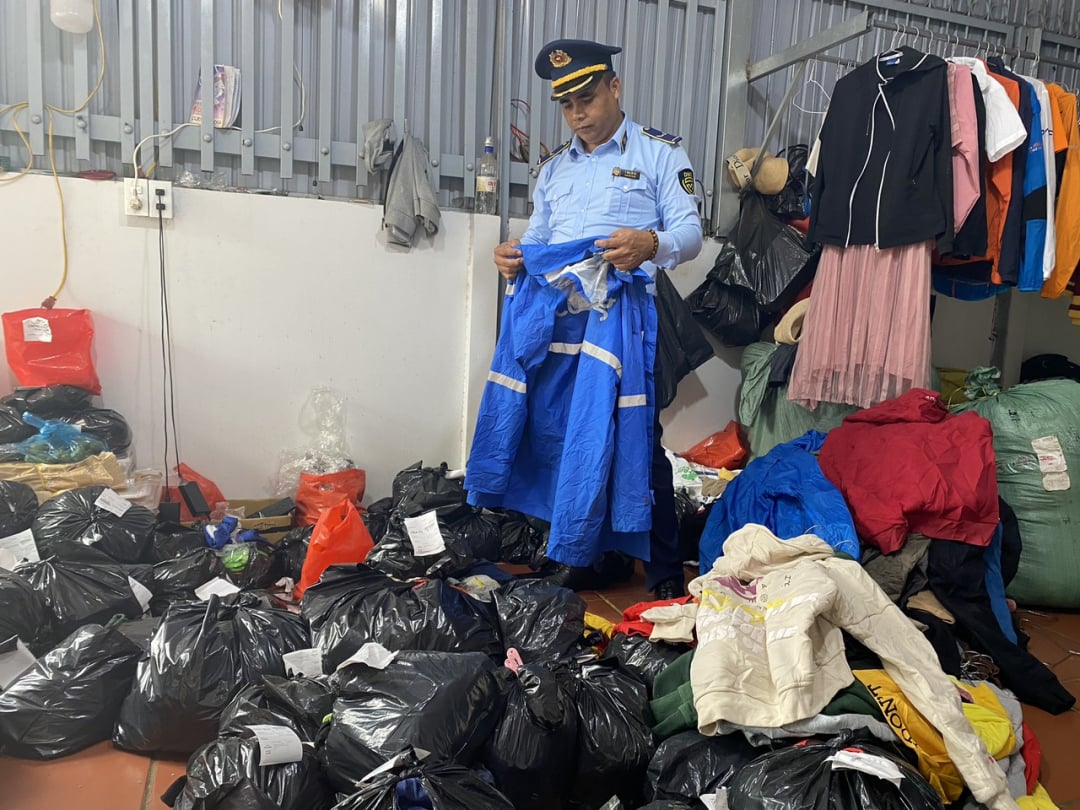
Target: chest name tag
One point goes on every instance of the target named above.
(629, 174)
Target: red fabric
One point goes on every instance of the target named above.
(908, 465)
(632, 623)
(1032, 753)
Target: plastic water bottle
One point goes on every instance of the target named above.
(487, 180)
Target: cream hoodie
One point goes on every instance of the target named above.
(770, 650)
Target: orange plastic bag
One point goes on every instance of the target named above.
(51, 347)
(209, 490)
(339, 538)
(723, 449)
(319, 492)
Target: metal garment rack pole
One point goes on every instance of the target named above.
(956, 42)
(825, 40)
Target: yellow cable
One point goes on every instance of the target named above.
(51, 300)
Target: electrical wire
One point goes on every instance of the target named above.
(49, 302)
(168, 390)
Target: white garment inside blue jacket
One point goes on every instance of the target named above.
(564, 431)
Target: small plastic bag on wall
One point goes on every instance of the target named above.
(51, 347)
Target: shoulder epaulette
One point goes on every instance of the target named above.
(670, 140)
(553, 153)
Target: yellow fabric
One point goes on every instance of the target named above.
(989, 719)
(48, 480)
(1039, 800)
(599, 624)
(915, 732)
(1068, 199)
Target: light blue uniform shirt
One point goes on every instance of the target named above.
(580, 193)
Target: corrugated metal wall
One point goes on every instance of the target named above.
(333, 65)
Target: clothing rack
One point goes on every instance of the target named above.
(954, 40)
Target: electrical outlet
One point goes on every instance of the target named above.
(141, 198)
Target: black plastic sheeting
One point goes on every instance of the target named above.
(171, 540)
(50, 401)
(24, 613)
(72, 517)
(680, 347)
(802, 778)
(104, 425)
(533, 752)
(445, 703)
(690, 764)
(70, 698)
(292, 550)
(644, 658)
(12, 427)
(352, 605)
(298, 703)
(615, 742)
(418, 489)
(394, 554)
(437, 785)
(524, 539)
(18, 505)
(175, 580)
(79, 593)
(225, 775)
(543, 622)
(201, 655)
(723, 305)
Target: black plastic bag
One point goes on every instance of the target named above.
(394, 554)
(689, 764)
(105, 425)
(175, 580)
(352, 605)
(644, 658)
(12, 427)
(291, 552)
(543, 622)
(533, 752)
(418, 489)
(524, 540)
(171, 540)
(680, 345)
(50, 401)
(615, 742)
(790, 203)
(802, 778)
(79, 593)
(202, 654)
(445, 703)
(18, 506)
(70, 698)
(298, 703)
(139, 631)
(480, 529)
(377, 518)
(723, 305)
(226, 775)
(775, 259)
(23, 612)
(250, 565)
(415, 784)
(72, 517)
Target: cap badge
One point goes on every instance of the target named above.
(559, 58)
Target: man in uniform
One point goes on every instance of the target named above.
(634, 183)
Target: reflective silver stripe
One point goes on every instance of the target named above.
(632, 401)
(506, 382)
(565, 348)
(603, 355)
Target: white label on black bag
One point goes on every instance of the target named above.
(219, 586)
(277, 745)
(111, 502)
(425, 535)
(141, 593)
(306, 663)
(20, 548)
(872, 764)
(36, 330)
(372, 654)
(14, 663)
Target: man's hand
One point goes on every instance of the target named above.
(627, 248)
(508, 259)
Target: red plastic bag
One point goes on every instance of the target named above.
(339, 538)
(51, 347)
(723, 449)
(319, 492)
(209, 490)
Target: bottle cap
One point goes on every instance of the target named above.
(489, 141)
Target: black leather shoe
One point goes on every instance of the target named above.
(575, 578)
(670, 589)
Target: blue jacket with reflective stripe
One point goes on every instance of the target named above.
(564, 431)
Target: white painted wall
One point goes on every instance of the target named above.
(270, 296)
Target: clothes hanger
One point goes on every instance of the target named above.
(812, 80)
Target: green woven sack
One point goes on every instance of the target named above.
(1048, 512)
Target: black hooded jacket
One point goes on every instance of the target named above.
(884, 173)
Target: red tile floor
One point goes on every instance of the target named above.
(103, 778)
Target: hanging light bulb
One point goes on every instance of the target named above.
(73, 16)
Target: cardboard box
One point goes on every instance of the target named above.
(272, 528)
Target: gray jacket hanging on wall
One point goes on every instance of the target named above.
(410, 194)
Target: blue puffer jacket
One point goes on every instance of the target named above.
(564, 431)
(786, 491)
